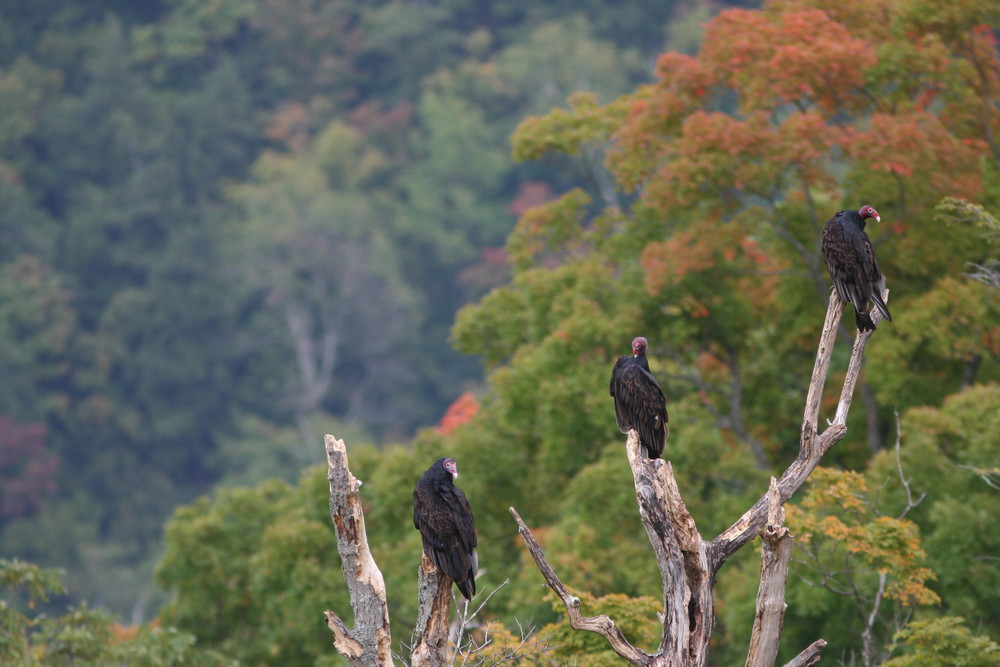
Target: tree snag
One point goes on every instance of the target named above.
(688, 564)
(431, 632)
(776, 549)
(368, 644)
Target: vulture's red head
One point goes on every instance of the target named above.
(451, 467)
(868, 212)
(638, 346)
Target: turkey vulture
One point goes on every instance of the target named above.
(639, 401)
(443, 516)
(851, 260)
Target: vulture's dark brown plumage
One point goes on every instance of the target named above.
(850, 259)
(444, 518)
(639, 401)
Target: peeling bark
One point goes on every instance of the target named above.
(770, 616)
(368, 643)
(434, 600)
(688, 563)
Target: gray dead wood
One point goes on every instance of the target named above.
(602, 625)
(688, 563)
(776, 549)
(431, 633)
(368, 644)
(808, 657)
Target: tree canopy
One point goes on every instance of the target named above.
(228, 227)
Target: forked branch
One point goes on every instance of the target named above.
(813, 443)
(688, 564)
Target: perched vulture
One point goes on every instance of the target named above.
(851, 260)
(443, 516)
(639, 401)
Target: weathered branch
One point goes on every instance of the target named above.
(602, 624)
(688, 564)
(770, 616)
(368, 644)
(813, 444)
(689, 613)
(434, 603)
(808, 657)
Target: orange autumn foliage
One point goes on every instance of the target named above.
(817, 84)
(460, 411)
(724, 251)
(771, 59)
(838, 509)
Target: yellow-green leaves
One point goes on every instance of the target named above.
(838, 515)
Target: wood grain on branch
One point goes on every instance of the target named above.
(689, 612)
(775, 552)
(688, 564)
(434, 602)
(808, 657)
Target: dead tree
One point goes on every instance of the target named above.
(368, 644)
(689, 563)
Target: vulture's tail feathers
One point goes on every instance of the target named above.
(880, 304)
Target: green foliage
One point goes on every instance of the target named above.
(837, 508)
(196, 197)
(698, 228)
(945, 452)
(636, 616)
(242, 567)
(182, 184)
(81, 636)
(942, 642)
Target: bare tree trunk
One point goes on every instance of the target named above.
(775, 552)
(368, 644)
(431, 632)
(869, 643)
(688, 563)
(316, 355)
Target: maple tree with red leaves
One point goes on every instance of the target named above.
(699, 227)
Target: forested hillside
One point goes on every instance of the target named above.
(230, 226)
(226, 226)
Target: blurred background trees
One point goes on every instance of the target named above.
(229, 227)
